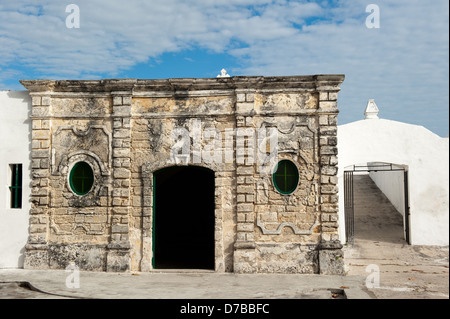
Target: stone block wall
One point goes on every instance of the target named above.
(124, 129)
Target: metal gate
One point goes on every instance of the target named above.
(349, 210)
(407, 212)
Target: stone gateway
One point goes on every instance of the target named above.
(232, 174)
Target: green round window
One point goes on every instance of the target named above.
(81, 178)
(285, 177)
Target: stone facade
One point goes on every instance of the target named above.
(124, 130)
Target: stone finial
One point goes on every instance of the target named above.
(371, 111)
(223, 74)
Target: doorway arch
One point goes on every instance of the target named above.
(183, 218)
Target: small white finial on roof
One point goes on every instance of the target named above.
(223, 74)
(371, 111)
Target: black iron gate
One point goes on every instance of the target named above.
(405, 181)
(349, 207)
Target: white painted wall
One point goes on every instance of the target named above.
(425, 154)
(15, 146)
(391, 183)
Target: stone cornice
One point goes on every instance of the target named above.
(184, 85)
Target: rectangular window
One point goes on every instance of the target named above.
(16, 185)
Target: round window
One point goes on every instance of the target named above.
(285, 177)
(81, 178)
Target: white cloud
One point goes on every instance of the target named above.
(403, 65)
(116, 35)
(405, 62)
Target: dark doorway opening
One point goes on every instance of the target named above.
(183, 218)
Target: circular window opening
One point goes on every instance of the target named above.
(81, 178)
(285, 177)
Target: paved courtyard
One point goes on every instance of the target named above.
(185, 285)
(380, 265)
(404, 272)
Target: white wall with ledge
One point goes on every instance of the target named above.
(426, 156)
(15, 144)
(391, 183)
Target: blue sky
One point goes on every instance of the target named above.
(403, 64)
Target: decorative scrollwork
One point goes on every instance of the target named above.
(285, 224)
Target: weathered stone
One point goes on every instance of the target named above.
(122, 173)
(36, 259)
(127, 130)
(119, 229)
(118, 260)
(85, 257)
(331, 258)
(329, 170)
(329, 189)
(245, 207)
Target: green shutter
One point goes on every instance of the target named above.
(285, 178)
(16, 185)
(81, 178)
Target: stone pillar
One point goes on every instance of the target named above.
(36, 255)
(330, 253)
(244, 254)
(331, 258)
(118, 258)
(147, 218)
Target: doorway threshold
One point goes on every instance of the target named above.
(182, 271)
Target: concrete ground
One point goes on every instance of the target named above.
(380, 265)
(177, 285)
(396, 270)
(402, 271)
